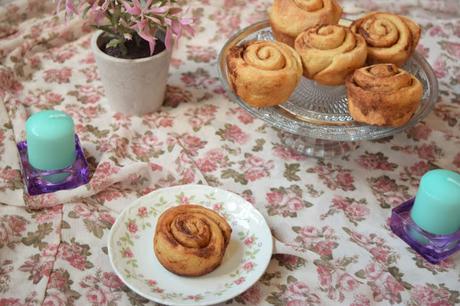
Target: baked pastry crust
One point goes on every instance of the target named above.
(390, 38)
(191, 240)
(264, 73)
(288, 18)
(330, 52)
(383, 94)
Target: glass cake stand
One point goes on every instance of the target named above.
(315, 120)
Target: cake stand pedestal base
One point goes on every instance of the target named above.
(319, 148)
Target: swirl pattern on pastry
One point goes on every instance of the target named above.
(288, 18)
(383, 94)
(390, 38)
(330, 52)
(264, 73)
(191, 240)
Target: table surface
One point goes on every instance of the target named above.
(53, 247)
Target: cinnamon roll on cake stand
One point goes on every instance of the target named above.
(315, 120)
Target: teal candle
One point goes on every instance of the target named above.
(50, 139)
(437, 202)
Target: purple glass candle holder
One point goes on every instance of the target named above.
(433, 248)
(44, 181)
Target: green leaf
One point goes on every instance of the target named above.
(236, 176)
(291, 279)
(361, 274)
(290, 172)
(64, 225)
(36, 238)
(259, 145)
(113, 43)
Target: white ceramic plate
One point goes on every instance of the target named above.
(132, 257)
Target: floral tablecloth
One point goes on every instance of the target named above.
(53, 247)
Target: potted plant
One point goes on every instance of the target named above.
(132, 48)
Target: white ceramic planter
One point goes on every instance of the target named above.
(132, 86)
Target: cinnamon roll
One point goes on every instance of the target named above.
(330, 52)
(190, 240)
(264, 73)
(383, 94)
(390, 38)
(288, 18)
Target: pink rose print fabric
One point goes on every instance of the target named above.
(53, 247)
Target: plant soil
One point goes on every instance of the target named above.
(134, 51)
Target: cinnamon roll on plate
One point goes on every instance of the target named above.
(264, 73)
(383, 94)
(330, 52)
(288, 18)
(390, 38)
(191, 240)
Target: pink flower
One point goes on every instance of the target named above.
(274, 198)
(217, 206)
(419, 168)
(380, 254)
(430, 296)
(248, 266)
(298, 289)
(57, 279)
(192, 143)
(53, 298)
(206, 165)
(427, 151)
(127, 253)
(252, 296)
(10, 302)
(111, 280)
(456, 160)
(357, 211)
(255, 161)
(393, 289)
(132, 227)
(309, 231)
(325, 276)
(360, 300)
(239, 280)
(151, 282)
(286, 153)
(235, 134)
(298, 303)
(347, 282)
(324, 248)
(82, 210)
(58, 75)
(253, 174)
(440, 68)
(243, 115)
(436, 31)
(142, 212)
(53, 97)
(107, 218)
(420, 132)
(8, 174)
(8, 81)
(96, 296)
(452, 48)
(288, 259)
(249, 241)
(373, 271)
(294, 204)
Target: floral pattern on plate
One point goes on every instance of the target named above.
(247, 256)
